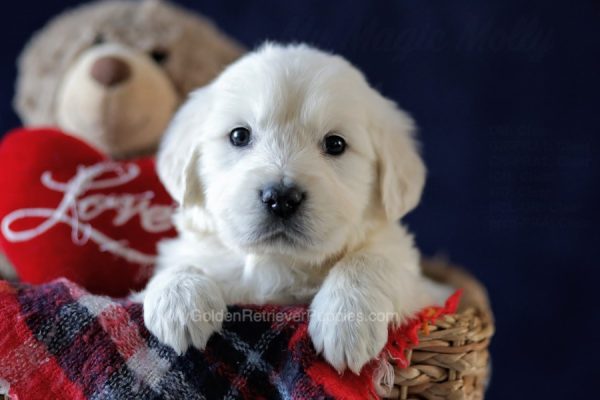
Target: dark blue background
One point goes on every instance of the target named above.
(506, 94)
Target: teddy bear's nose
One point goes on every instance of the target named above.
(110, 71)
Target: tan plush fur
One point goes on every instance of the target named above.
(197, 52)
(6, 269)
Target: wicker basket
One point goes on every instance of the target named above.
(452, 361)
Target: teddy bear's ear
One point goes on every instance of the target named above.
(151, 5)
(179, 155)
(203, 51)
(42, 64)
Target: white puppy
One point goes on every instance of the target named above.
(292, 174)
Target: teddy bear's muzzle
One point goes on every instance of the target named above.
(116, 97)
(110, 71)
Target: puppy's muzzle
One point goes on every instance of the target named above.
(280, 200)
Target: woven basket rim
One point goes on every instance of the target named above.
(474, 296)
(452, 357)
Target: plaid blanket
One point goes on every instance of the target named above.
(59, 341)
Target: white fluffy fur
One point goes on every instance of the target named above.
(349, 257)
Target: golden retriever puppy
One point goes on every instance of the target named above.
(291, 173)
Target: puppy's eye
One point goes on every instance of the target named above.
(159, 56)
(240, 137)
(334, 145)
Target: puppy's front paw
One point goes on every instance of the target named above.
(183, 309)
(348, 330)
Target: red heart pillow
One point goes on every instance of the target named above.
(67, 210)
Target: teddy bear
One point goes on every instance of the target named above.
(113, 72)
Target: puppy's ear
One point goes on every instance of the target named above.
(401, 169)
(193, 193)
(179, 154)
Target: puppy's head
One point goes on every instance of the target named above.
(291, 151)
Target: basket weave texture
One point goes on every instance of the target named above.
(451, 360)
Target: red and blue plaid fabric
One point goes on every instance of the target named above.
(59, 341)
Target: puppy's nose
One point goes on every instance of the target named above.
(282, 201)
(110, 71)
